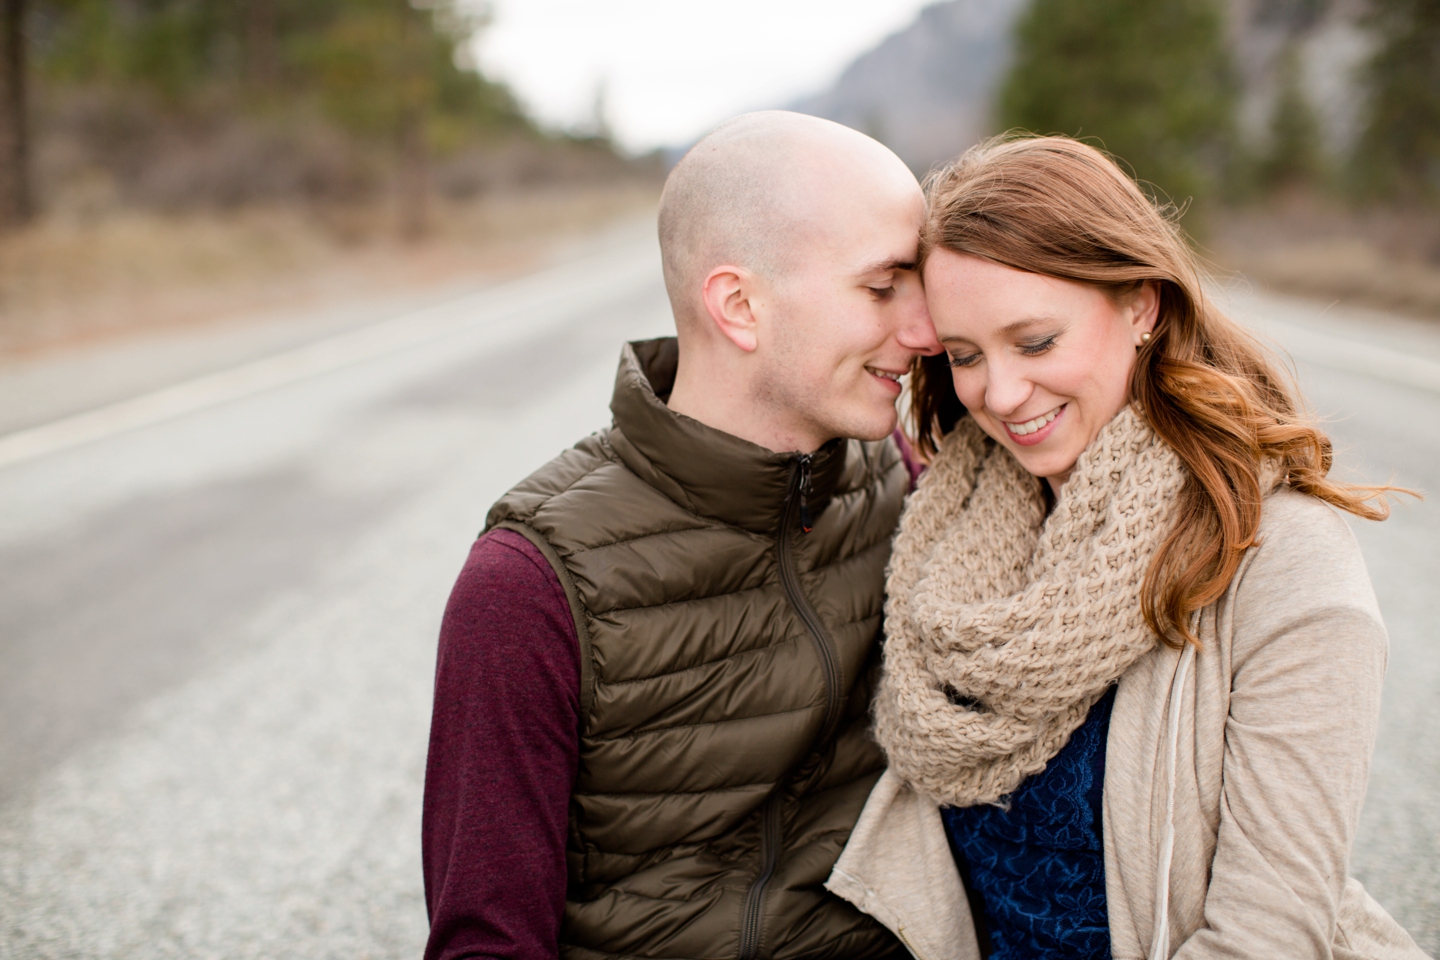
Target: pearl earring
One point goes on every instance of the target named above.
(1145, 337)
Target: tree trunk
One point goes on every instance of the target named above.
(262, 61)
(16, 202)
(414, 185)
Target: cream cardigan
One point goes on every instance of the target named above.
(1257, 750)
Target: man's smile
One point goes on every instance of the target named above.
(890, 375)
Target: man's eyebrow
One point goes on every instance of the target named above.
(883, 266)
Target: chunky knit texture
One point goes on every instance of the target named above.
(1004, 626)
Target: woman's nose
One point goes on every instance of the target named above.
(1005, 390)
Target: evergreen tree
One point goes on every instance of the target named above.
(1398, 156)
(364, 61)
(1150, 79)
(16, 205)
(1295, 156)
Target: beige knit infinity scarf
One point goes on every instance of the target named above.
(1004, 626)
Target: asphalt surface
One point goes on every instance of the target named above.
(219, 602)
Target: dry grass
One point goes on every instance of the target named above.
(1381, 258)
(67, 280)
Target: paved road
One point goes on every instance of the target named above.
(218, 608)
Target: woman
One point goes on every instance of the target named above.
(1133, 661)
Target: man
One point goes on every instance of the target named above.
(650, 732)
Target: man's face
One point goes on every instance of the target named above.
(842, 323)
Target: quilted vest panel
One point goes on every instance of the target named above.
(727, 665)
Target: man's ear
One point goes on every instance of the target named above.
(728, 293)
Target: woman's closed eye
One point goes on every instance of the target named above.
(1036, 347)
(968, 360)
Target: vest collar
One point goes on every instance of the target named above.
(705, 470)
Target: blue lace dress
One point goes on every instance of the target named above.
(1036, 872)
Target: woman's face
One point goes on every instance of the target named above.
(1041, 364)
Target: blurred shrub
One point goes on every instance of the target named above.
(1398, 156)
(362, 59)
(1151, 79)
(177, 104)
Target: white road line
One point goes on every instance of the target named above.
(1353, 356)
(333, 353)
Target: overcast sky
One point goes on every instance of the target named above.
(672, 69)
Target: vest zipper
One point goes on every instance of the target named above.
(796, 503)
(804, 467)
(790, 580)
(755, 896)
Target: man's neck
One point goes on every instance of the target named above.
(720, 402)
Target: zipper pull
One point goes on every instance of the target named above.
(805, 525)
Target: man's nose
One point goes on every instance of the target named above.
(917, 331)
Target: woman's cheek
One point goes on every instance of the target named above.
(969, 385)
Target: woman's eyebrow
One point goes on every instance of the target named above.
(1027, 322)
(1009, 328)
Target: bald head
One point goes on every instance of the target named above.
(759, 190)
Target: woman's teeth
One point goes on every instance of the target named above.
(1030, 426)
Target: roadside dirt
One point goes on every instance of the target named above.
(67, 282)
(1386, 259)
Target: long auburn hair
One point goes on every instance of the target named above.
(1058, 207)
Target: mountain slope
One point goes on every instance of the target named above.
(926, 90)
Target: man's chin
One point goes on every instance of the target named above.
(877, 427)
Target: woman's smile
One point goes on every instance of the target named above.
(1036, 429)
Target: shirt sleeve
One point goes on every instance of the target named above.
(913, 464)
(504, 745)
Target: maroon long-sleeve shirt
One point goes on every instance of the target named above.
(504, 743)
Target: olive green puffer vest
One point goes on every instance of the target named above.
(726, 669)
